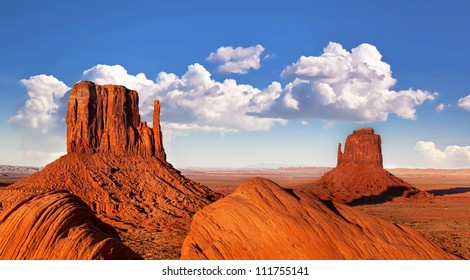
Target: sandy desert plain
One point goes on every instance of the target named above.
(445, 221)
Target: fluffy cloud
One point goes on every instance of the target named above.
(40, 120)
(237, 60)
(343, 85)
(464, 102)
(440, 107)
(41, 108)
(451, 157)
(194, 101)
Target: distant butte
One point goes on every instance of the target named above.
(260, 221)
(118, 166)
(359, 176)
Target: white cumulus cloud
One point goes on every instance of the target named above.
(237, 60)
(464, 102)
(451, 157)
(40, 121)
(440, 107)
(44, 98)
(117, 75)
(194, 101)
(339, 84)
(343, 85)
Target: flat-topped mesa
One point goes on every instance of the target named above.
(362, 147)
(105, 119)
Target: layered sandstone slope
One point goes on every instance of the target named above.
(260, 220)
(115, 163)
(131, 191)
(57, 225)
(359, 175)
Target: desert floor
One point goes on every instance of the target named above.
(445, 221)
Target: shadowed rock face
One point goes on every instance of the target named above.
(117, 165)
(359, 176)
(260, 220)
(58, 225)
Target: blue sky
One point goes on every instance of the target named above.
(246, 82)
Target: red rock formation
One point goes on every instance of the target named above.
(157, 132)
(117, 165)
(359, 176)
(105, 119)
(57, 225)
(363, 147)
(260, 220)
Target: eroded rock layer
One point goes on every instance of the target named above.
(359, 176)
(58, 225)
(260, 220)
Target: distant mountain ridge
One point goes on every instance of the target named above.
(18, 169)
(273, 165)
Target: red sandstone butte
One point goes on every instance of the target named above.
(105, 119)
(260, 220)
(117, 165)
(359, 176)
(57, 225)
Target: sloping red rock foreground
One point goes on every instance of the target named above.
(117, 165)
(58, 225)
(260, 220)
(359, 176)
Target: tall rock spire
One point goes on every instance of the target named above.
(157, 132)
